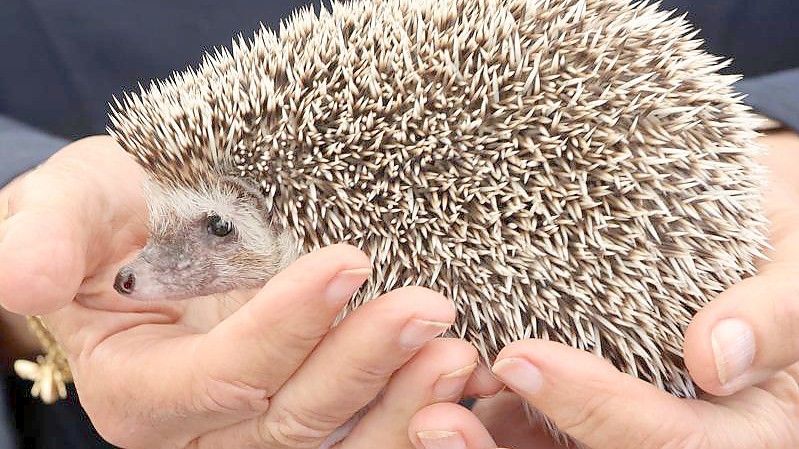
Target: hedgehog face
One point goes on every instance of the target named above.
(204, 241)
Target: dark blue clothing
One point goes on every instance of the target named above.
(22, 147)
(762, 38)
(62, 62)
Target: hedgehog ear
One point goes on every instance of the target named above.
(247, 188)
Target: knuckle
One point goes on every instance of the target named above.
(223, 396)
(297, 339)
(366, 375)
(305, 336)
(301, 429)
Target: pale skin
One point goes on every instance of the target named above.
(110, 340)
(753, 393)
(212, 372)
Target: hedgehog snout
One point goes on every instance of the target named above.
(125, 281)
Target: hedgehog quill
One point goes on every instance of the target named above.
(575, 170)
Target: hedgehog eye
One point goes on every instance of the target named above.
(219, 227)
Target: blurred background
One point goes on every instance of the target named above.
(63, 60)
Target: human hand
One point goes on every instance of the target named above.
(216, 372)
(742, 349)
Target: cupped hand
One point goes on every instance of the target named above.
(742, 349)
(222, 371)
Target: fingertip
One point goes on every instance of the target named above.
(449, 423)
(41, 266)
(441, 357)
(482, 383)
(541, 369)
(437, 373)
(343, 255)
(535, 349)
(318, 268)
(425, 303)
(332, 274)
(450, 348)
(554, 356)
(698, 354)
(580, 393)
(721, 342)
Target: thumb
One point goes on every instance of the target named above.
(588, 399)
(745, 335)
(81, 208)
(42, 254)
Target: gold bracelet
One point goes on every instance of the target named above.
(50, 372)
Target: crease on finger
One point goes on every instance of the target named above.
(287, 428)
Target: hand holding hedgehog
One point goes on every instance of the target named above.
(742, 348)
(572, 170)
(156, 375)
(97, 208)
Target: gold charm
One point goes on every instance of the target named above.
(48, 381)
(50, 373)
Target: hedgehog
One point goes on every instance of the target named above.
(571, 170)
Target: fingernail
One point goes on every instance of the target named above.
(492, 395)
(733, 348)
(488, 396)
(441, 439)
(451, 385)
(519, 374)
(345, 284)
(418, 332)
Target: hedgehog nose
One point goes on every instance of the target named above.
(125, 281)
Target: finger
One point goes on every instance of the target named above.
(746, 334)
(39, 275)
(482, 383)
(346, 371)
(62, 224)
(438, 373)
(448, 425)
(274, 332)
(508, 418)
(588, 399)
(227, 375)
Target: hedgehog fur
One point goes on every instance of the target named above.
(574, 170)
